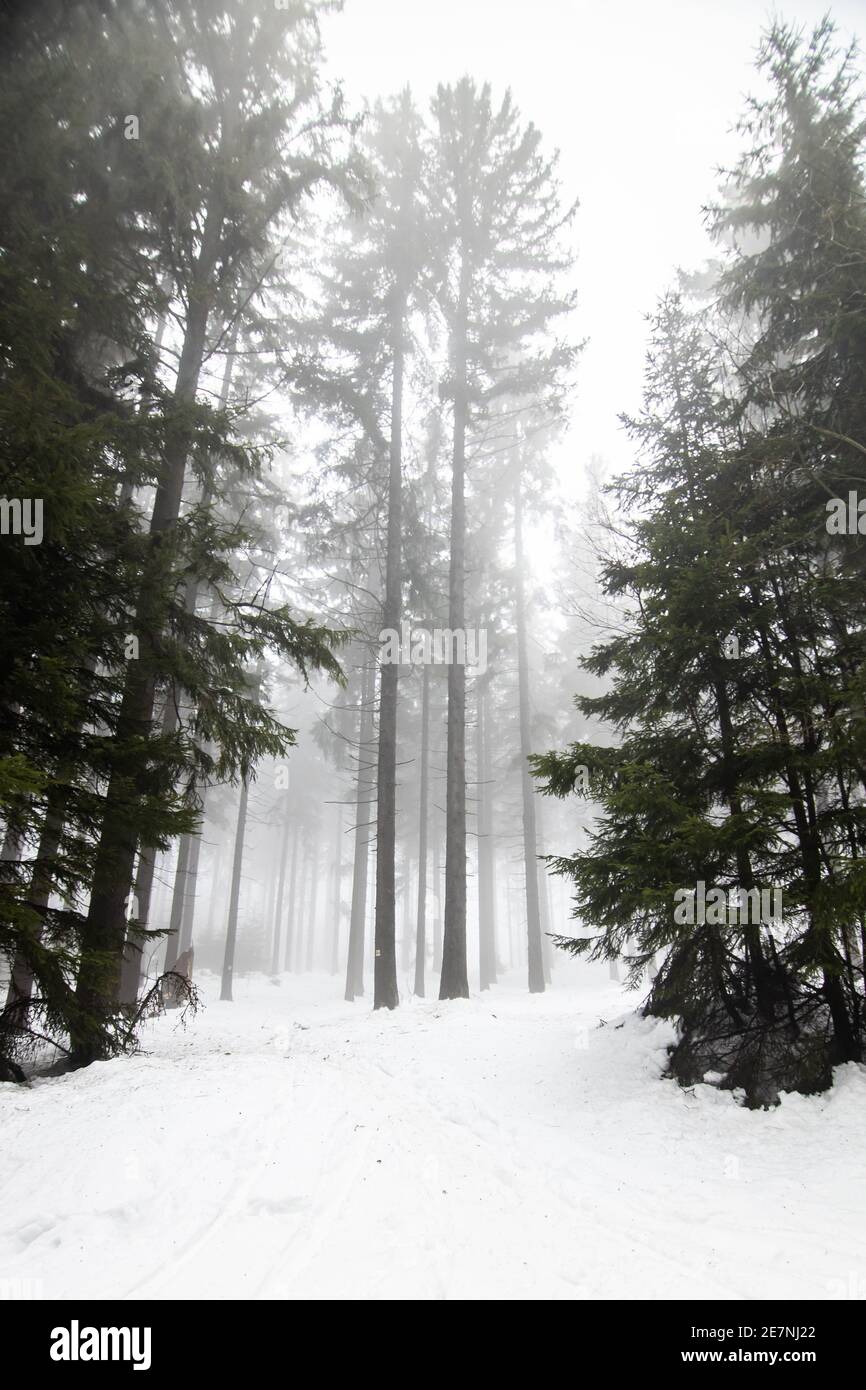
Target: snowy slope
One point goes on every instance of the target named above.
(290, 1145)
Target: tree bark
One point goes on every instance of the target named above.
(234, 896)
(335, 891)
(191, 890)
(535, 962)
(385, 994)
(134, 963)
(278, 908)
(437, 916)
(486, 888)
(314, 903)
(454, 980)
(421, 921)
(544, 898)
(358, 920)
(172, 947)
(406, 934)
(293, 899)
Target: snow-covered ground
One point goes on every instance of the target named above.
(290, 1145)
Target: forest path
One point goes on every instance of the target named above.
(290, 1145)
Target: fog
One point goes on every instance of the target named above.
(431, 688)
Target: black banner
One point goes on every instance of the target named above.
(88, 1339)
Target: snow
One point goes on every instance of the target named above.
(290, 1145)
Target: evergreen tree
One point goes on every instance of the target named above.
(501, 218)
(737, 685)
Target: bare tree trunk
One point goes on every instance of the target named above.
(234, 895)
(134, 952)
(293, 898)
(421, 922)
(454, 981)
(172, 949)
(358, 921)
(335, 891)
(216, 874)
(314, 903)
(278, 911)
(486, 889)
(437, 918)
(544, 898)
(301, 916)
(530, 840)
(385, 993)
(544, 907)
(132, 960)
(406, 932)
(186, 855)
(191, 890)
(266, 913)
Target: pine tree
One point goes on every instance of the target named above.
(502, 262)
(229, 210)
(734, 685)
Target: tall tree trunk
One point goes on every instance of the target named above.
(265, 914)
(234, 895)
(178, 898)
(358, 920)
(544, 898)
(291, 913)
(335, 891)
(301, 915)
(314, 903)
(535, 962)
(544, 908)
(437, 916)
(215, 884)
(762, 970)
(126, 491)
(421, 922)
(183, 885)
(406, 918)
(136, 955)
(188, 920)
(486, 888)
(385, 993)
(509, 915)
(454, 981)
(278, 909)
(133, 959)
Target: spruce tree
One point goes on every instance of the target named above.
(502, 263)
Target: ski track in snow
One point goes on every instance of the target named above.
(294, 1146)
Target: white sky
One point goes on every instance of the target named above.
(639, 96)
